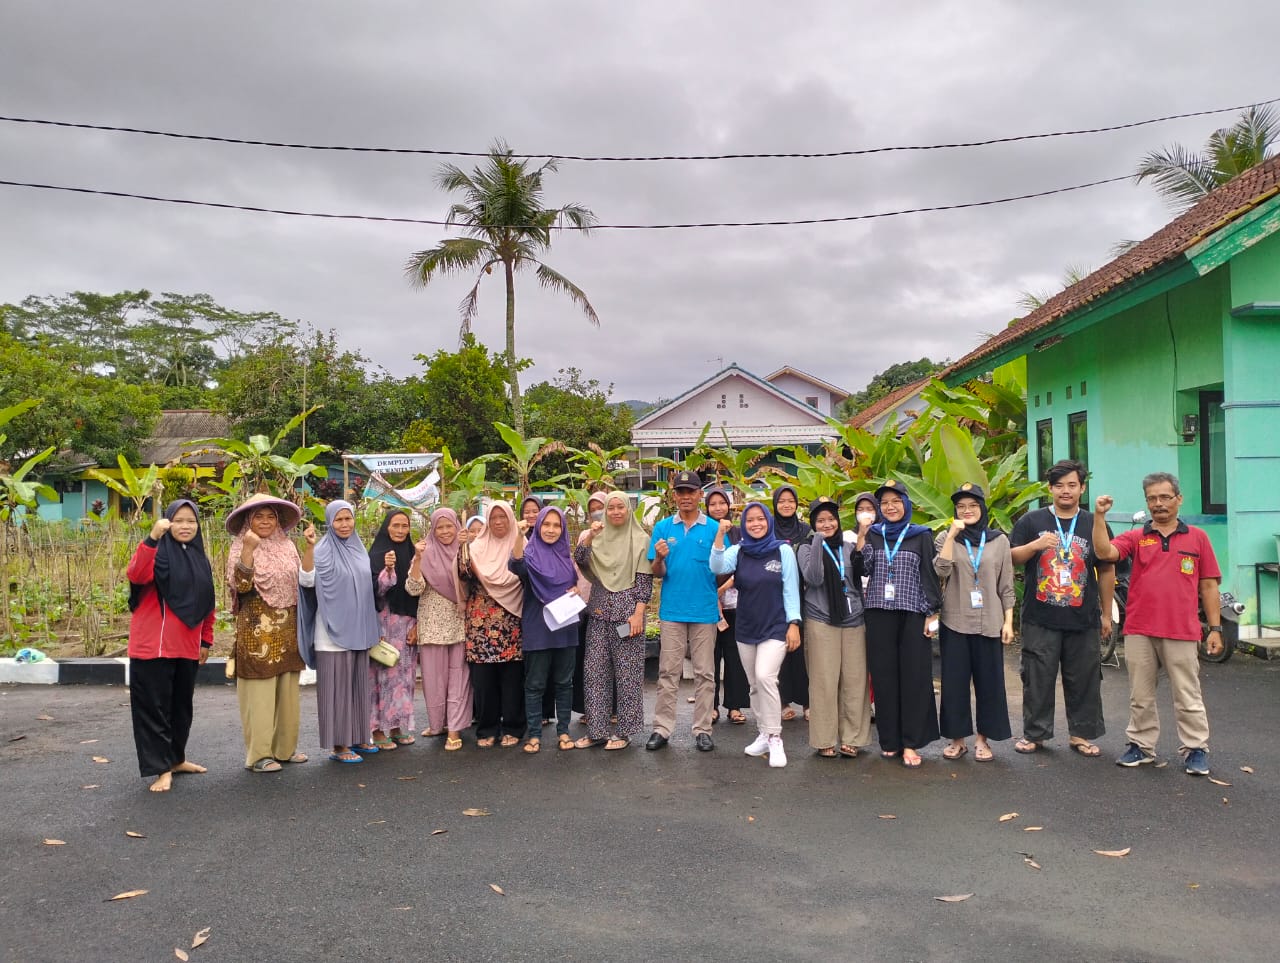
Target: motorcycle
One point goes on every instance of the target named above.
(1230, 608)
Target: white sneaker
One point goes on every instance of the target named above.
(777, 755)
(759, 747)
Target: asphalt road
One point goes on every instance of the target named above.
(636, 855)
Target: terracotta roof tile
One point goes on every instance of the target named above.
(1218, 209)
(895, 397)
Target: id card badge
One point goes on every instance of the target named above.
(888, 591)
(975, 599)
(1064, 577)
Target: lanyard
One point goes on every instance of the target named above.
(839, 560)
(1065, 539)
(976, 561)
(890, 553)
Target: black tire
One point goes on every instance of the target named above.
(1230, 636)
(1118, 604)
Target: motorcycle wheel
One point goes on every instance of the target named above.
(1230, 636)
(1117, 620)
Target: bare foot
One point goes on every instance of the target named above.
(163, 782)
(187, 767)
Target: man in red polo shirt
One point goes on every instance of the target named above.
(1173, 569)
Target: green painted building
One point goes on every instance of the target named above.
(1168, 359)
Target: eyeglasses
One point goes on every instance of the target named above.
(1161, 499)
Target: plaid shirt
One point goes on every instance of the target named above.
(915, 586)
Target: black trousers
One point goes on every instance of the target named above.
(499, 697)
(160, 694)
(976, 660)
(737, 691)
(793, 677)
(900, 659)
(1079, 655)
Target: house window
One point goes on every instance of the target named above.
(742, 401)
(1037, 401)
(1084, 388)
(1048, 398)
(1078, 435)
(811, 401)
(1044, 448)
(1213, 454)
(1068, 392)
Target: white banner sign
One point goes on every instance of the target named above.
(394, 463)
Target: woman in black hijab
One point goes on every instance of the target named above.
(793, 679)
(391, 560)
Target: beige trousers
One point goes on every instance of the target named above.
(1143, 656)
(839, 706)
(699, 640)
(269, 716)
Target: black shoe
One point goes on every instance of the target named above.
(703, 742)
(656, 741)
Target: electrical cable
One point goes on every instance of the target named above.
(561, 227)
(642, 158)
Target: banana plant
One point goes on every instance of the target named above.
(591, 465)
(522, 454)
(18, 492)
(134, 485)
(262, 468)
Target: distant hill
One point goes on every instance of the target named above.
(637, 407)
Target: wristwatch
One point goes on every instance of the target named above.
(1215, 628)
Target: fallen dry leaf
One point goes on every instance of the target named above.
(438, 832)
(101, 759)
(44, 718)
(1032, 863)
(751, 819)
(1226, 801)
(473, 811)
(87, 742)
(1248, 769)
(1007, 816)
(55, 842)
(130, 832)
(955, 776)
(201, 937)
(360, 784)
(1032, 829)
(181, 954)
(406, 778)
(1193, 886)
(888, 816)
(403, 907)
(497, 889)
(1218, 782)
(17, 738)
(1114, 852)
(92, 785)
(127, 894)
(958, 898)
(376, 822)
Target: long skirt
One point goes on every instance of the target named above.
(160, 694)
(342, 697)
(391, 687)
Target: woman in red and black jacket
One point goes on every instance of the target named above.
(170, 634)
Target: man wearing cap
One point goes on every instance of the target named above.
(1174, 571)
(680, 552)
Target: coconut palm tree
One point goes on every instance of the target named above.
(1183, 177)
(503, 215)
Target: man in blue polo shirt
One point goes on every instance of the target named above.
(680, 551)
(1173, 569)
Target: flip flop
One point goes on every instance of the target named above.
(532, 746)
(385, 745)
(737, 718)
(365, 750)
(888, 753)
(564, 743)
(486, 743)
(954, 752)
(788, 714)
(453, 745)
(403, 740)
(849, 752)
(586, 742)
(1087, 749)
(912, 762)
(347, 756)
(828, 753)
(983, 753)
(508, 741)
(296, 758)
(1026, 747)
(616, 743)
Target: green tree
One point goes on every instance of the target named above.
(577, 412)
(1183, 176)
(462, 393)
(888, 381)
(507, 225)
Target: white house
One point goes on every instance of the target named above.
(904, 405)
(748, 410)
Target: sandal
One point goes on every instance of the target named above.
(565, 743)
(347, 756)
(453, 744)
(365, 749)
(982, 752)
(586, 742)
(1026, 746)
(404, 739)
(849, 752)
(266, 764)
(533, 745)
(296, 758)
(715, 716)
(828, 753)
(485, 743)
(888, 753)
(509, 740)
(385, 745)
(617, 742)
(955, 750)
(736, 717)
(788, 714)
(1085, 748)
(432, 733)
(912, 761)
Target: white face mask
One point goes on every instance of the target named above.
(866, 518)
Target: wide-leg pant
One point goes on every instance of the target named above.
(737, 690)
(499, 698)
(839, 701)
(446, 686)
(160, 696)
(976, 660)
(1079, 655)
(901, 661)
(613, 669)
(269, 716)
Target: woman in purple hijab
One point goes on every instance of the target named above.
(337, 625)
(546, 570)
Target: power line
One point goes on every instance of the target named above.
(643, 158)
(595, 227)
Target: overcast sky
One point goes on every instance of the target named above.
(842, 300)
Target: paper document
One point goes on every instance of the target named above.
(563, 611)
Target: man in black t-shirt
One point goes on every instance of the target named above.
(1066, 603)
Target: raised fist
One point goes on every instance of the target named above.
(957, 526)
(252, 540)
(725, 526)
(309, 534)
(159, 528)
(389, 560)
(597, 527)
(420, 548)
(662, 549)
(1103, 504)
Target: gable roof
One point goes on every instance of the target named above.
(811, 415)
(174, 432)
(837, 394)
(888, 402)
(1218, 209)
